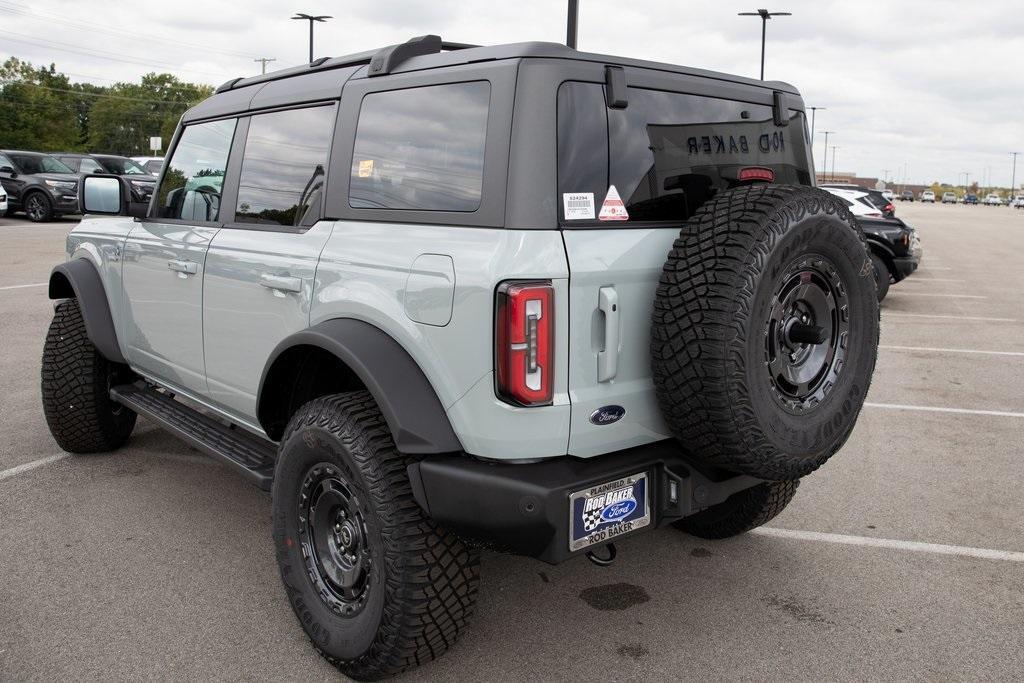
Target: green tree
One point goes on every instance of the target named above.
(37, 108)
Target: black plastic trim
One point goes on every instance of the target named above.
(410, 405)
(615, 87)
(87, 286)
(388, 59)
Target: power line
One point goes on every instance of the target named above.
(21, 10)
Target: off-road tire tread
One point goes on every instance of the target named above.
(741, 512)
(432, 576)
(76, 402)
(701, 309)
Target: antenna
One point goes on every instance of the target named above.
(572, 20)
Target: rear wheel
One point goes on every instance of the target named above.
(76, 382)
(741, 512)
(38, 207)
(376, 585)
(765, 330)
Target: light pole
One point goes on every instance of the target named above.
(1013, 178)
(765, 16)
(571, 21)
(824, 163)
(835, 149)
(814, 110)
(311, 19)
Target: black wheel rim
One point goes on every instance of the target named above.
(335, 543)
(806, 334)
(35, 208)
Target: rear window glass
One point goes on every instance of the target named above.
(421, 148)
(667, 153)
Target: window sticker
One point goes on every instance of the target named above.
(578, 206)
(613, 209)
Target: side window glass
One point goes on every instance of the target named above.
(192, 185)
(421, 148)
(90, 166)
(282, 176)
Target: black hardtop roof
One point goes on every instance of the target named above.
(442, 54)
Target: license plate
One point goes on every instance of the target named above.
(600, 513)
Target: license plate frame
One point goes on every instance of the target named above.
(619, 506)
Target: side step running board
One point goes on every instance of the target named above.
(250, 455)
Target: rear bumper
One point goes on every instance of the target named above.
(525, 509)
(903, 267)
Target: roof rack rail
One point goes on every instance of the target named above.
(391, 57)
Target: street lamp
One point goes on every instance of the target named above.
(824, 163)
(835, 151)
(814, 110)
(311, 19)
(765, 16)
(1013, 179)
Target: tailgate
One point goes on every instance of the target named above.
(613, 274)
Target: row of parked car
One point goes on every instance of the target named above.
(45, 186)
(894, 245)
(991, 199)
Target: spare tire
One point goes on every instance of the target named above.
(765, 330)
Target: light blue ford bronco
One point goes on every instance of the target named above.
(437, 298)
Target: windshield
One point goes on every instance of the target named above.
(122, 166)
(38, 163)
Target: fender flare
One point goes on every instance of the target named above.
(79, 279)
(414, 413)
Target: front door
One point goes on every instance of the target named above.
(164, 260)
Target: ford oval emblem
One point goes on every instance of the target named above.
(606, 415)
(619, 510)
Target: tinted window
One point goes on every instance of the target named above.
(154, 166)
(89, 166)
(39, 163)
(121, 166)
(668, 152)
(193, 182)
(421, 148)
(283, 167)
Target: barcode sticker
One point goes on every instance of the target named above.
(578, 205)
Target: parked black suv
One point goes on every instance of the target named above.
(39, 184)
(895, 250)
(142, 181)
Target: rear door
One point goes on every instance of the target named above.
(261, 265)
(165, 260)
(627, 179)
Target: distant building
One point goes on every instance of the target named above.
(869, 183)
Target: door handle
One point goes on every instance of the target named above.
(183, 267)
(608, 360)
(281, 283)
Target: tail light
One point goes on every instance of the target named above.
(889, 207)
(524, 342)
(757, 173)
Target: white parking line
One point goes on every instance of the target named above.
(34, 284)
(949, 317)
(929, 279)
(938, 350)
(912, 546)
(939, 409)
(942, 296)
(20, 469)
(936, 268)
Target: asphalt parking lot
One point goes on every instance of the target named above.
(902, 559)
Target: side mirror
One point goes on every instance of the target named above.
(8, 170)
(108, 195)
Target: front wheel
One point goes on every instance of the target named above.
(38, 208)
(882, 276)
(741, 512)
(376, 585)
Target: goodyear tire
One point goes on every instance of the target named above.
(376, 585)
(765, 330)
(76, 383)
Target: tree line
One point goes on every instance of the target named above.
(42, 110)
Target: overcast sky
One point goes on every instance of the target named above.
(936, 86)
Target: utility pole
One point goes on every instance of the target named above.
(885, 176)
(311, 19)
(834, 152)
(263, 62)
(1013, 179)
(571, 23)
(814, 110)
(824, 163)
(765, 16)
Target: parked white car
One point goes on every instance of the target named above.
(151, 164)
(3, 202)
(888, 194)
(1018, 202)
(928, 196)
(992, 199)
(857, 201)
